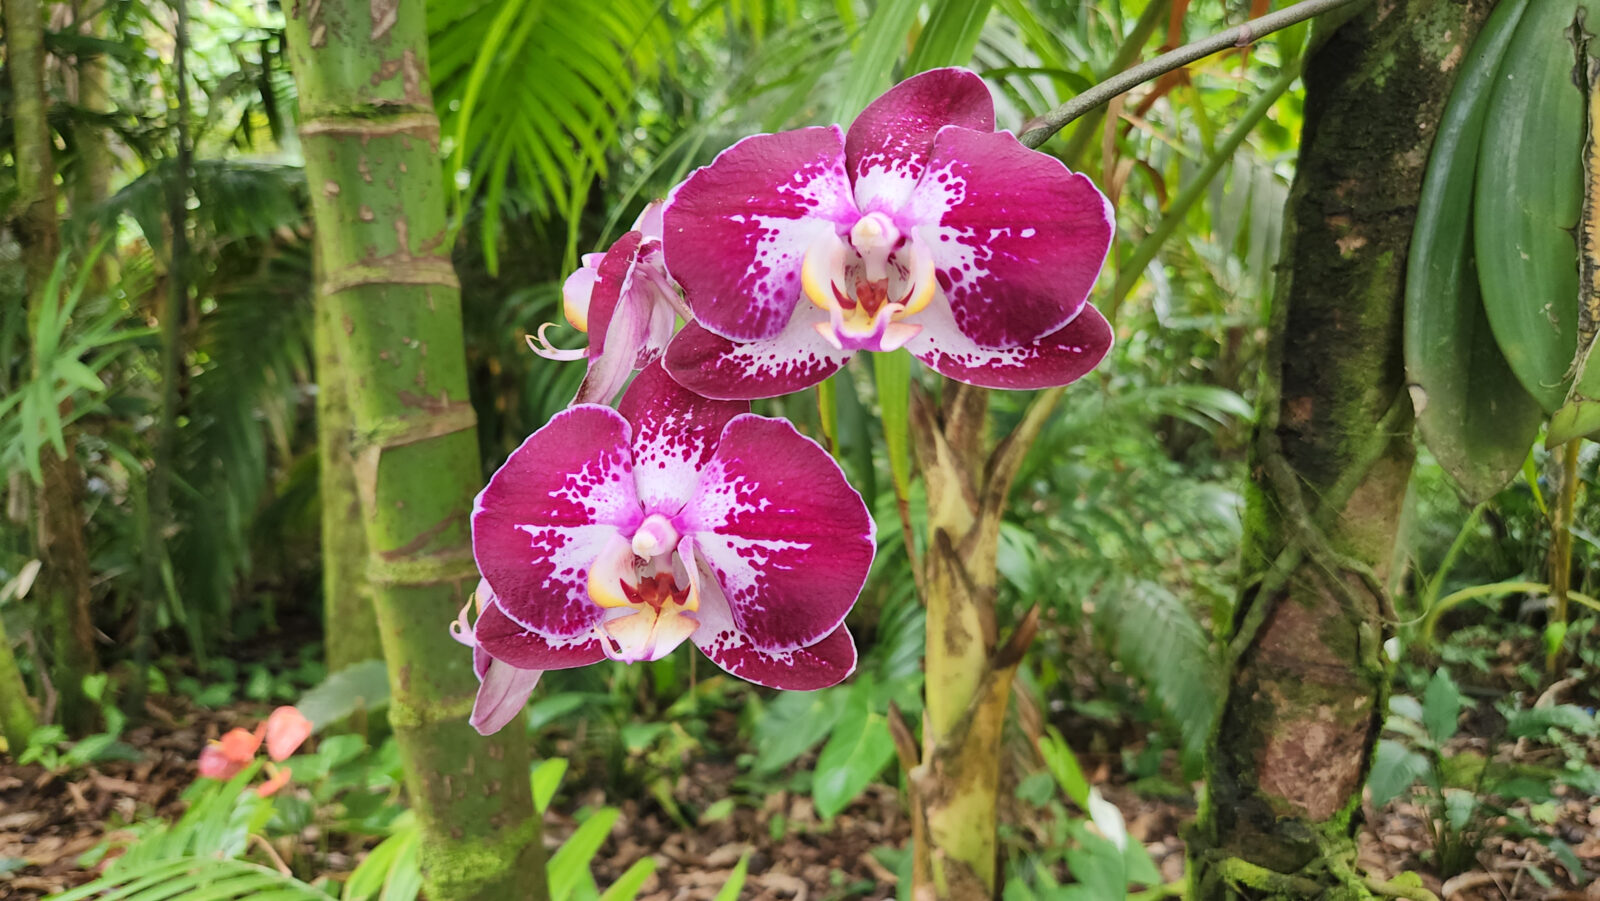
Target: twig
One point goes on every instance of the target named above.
(1042, 128)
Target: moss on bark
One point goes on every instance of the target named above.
(370, 140)
(1331, 460)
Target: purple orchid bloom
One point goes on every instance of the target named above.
(628, 305)
(622, 533)
(921, 228)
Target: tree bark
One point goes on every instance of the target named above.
(350, 622)
(64, 581)
(1331, 459)
(370, 140)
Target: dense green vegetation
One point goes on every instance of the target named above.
(235, 240)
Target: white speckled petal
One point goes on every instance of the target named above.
(675, 432)
(549, 512)
(794, 359)
(1017, 240)
(735, 231)
(787, 538)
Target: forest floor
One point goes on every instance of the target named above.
(48, 819)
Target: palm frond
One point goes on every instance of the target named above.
(538, 91)
(220, 880)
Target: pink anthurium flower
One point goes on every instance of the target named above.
(921, 228)
(623, 533)
(628, 305)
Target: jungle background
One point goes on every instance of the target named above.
(177, 555)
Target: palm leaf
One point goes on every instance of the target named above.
(196, 879)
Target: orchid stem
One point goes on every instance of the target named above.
(1044, 127)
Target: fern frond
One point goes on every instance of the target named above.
(1160, 642)
(184, 877)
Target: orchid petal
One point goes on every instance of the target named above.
(612, 277)
(502, 638)
(675, 432)
(787, 538)
(818, 665)
(216, 764)
(888, 145)
(549, 512)
(1059, 358)
(737, 230)
(797, 358)
(270, 787)
(287, 729)
(1017, 240)
(649, 221)
(648, 636)
(501, 696)
(576, 293)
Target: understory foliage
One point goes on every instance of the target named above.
(559, 122)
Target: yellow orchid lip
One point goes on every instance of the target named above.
(867, 312)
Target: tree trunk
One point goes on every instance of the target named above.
(63, 588)
(955, 776)
(350, 623)
(16, 711)
(1332, 456)
(371, 148)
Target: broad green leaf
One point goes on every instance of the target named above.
(855, 754)
(1474, 415)
(1063, 765)
(570, 864)
(1441, 707)
(546, 778)
(792, 724)
(359, 686)
(1527, 200)
(1395, 768)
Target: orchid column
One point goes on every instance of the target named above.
(923, 228)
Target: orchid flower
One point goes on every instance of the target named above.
(921, 228)
(627, 304)
(623, 533)
(284, 731)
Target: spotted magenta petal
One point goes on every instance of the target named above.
(921, 216)
(623, 533)
(628, 304)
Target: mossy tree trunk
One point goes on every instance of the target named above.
(350, 622)
(1332, 456)
(63, 586)
(371, 140)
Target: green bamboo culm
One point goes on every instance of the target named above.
(370, 140)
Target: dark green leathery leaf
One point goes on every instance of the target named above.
(1527, 202)
(1472, 411)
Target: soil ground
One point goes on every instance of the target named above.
(47, 820)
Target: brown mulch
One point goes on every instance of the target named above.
(49, 820)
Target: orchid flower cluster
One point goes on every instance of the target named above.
(679, 515)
